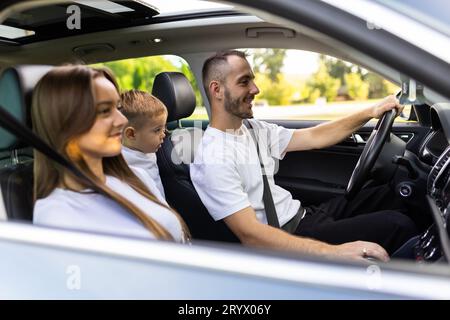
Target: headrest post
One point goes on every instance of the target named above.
(179, 124)
(14, 157)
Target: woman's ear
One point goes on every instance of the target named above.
(130, 133)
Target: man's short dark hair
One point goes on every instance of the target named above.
(213, 67)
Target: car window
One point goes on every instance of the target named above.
(303, 85)
(139, 74)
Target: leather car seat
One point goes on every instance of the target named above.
(176, 154)
(16, 177)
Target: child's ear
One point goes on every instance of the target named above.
(130, 133)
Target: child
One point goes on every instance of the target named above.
(145, 131)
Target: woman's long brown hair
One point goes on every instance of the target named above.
(63, 109)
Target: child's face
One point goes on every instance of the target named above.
(150, 136)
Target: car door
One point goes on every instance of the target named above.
(315, 175)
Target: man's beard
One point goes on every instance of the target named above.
(232, 106)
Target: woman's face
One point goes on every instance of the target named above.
(105, 136)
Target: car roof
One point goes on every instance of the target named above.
(202, 31)
(192, 33)
(53, 20)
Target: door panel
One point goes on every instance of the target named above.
(316, 175)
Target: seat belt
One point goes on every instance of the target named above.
(269, 205)
(15, 127)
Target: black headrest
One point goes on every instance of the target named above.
(16, 90)
(175, 91)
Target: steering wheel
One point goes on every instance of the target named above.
(370, 154)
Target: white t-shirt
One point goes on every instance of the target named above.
(227, 175)
(89, 211)
(146, 161)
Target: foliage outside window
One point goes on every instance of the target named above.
(139, 73)
(333, 89)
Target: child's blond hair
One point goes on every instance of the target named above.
(139, 106)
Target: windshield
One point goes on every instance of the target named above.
(433, 13)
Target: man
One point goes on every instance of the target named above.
(227, 175)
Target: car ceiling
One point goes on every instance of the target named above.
(179, 37)
(205, 34)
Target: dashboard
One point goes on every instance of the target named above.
(433, 244)
(438, 184)
(436, 152)
(433, 146)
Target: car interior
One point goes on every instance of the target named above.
(16, 176)
(414, 155)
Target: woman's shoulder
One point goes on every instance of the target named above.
(60, 206)
(57, 197)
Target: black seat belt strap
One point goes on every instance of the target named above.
(15, 127)
(269, 205)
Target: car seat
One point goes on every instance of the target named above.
(176, 154)
(16, 174)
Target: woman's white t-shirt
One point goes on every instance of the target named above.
(90, 211)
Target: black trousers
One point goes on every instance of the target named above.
(375, 215)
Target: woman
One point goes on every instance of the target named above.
(76, 111)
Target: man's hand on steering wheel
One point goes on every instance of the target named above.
(388, 103)
(384, 110)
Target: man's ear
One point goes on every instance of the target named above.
(216, 90)
(130, 133)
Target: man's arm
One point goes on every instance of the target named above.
(251, 232)
(330, 133)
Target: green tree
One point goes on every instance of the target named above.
(140, 73)
(357, 89)
(188, 73)
(378, 86)
(336, 68)
(277, 93)
(138, 77)
(389, 88)
(269, 62)
(323, 83)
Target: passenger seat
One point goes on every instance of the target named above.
(175, 155)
